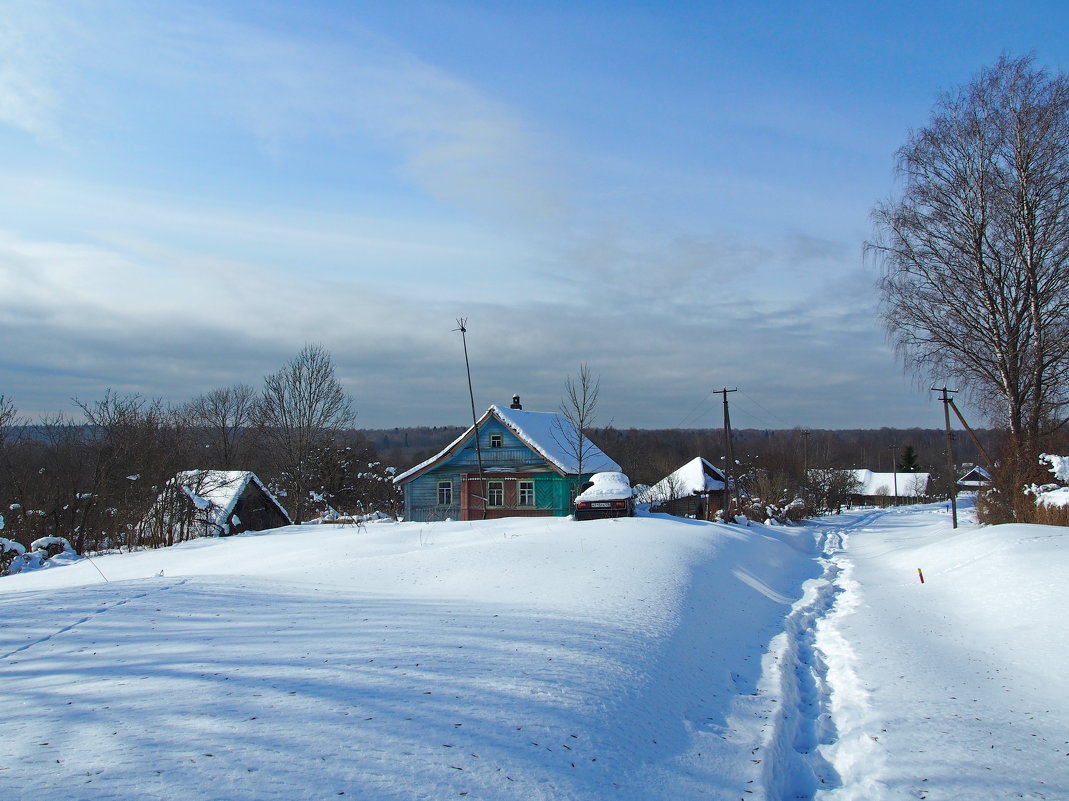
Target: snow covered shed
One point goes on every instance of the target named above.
(530, 468)
(211, 503)
(976, 479)
(694, 490)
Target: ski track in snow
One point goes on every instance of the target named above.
(35, 641)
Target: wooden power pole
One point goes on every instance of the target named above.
(952, 482)
(730, 450)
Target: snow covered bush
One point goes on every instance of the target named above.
(1052, 500)
(9, 551)
(44, 552)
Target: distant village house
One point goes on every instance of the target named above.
(530, 468)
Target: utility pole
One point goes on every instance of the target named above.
(894, 469)
(729, 448)
(951, 479)
(805, 455)
(462, 323)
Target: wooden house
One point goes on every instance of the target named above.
(212, 503)
(530, 468)
(694, 490)
(976, 479)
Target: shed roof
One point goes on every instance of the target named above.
(697, 475)
(216, 492)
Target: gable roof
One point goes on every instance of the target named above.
(977, 477)
(216, 492)
(546, 433)
(697, 475)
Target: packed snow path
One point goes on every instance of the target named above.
(648, 658)
(953, 688)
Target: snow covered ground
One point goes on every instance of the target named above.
(635, 658)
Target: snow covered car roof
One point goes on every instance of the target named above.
(605, 486)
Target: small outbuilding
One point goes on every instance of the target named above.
(694, 490)
(213, 503)
(976, 479)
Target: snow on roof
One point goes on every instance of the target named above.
(553, 436)
(216, 492)
(546, 433)
(697, 475)
(908, 484)
(976, 477)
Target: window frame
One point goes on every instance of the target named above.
(523, 487)
(497, 440)
(445, 484)
(492, 488)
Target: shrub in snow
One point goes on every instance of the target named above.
(44, 552)
(51, 546)
(9, 551)
(1052, 500)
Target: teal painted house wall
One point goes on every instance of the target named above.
(506, 459)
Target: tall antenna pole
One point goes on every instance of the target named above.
(730, 456)
(463, 329)
(951, 479)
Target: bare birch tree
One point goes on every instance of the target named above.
(975, 251)
(578, 409)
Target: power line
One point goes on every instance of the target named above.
(690, 415)
(765, 410)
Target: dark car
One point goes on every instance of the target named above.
(605, 495)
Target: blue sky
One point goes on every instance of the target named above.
(675, 194)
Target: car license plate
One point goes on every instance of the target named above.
(601, 505)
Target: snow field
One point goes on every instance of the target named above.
(513, 659)
(643, 658)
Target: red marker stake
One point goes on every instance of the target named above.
(919, 573)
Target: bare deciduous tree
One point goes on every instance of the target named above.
(579, 409)
(224, 415)
(975, 251)
(301, 408)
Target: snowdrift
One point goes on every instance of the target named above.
(632, 658)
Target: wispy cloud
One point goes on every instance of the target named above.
(28, 54)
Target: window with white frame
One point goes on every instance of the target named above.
(526, 494)
(497, 441)
(445, 493)
(495, 493)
